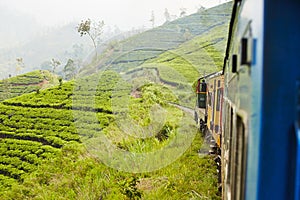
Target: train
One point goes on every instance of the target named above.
(251, 107)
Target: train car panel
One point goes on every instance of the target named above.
(261, 71)
(260, 102)
(204, 100)
(214, 106)
(281, 71)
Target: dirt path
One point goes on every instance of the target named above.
(188, 110)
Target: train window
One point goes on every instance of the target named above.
(244, 51)
(234, 64)
(240, 156)
(219, 96)
(201, 100)
(203, 86)
(230, 158)
(209, 99)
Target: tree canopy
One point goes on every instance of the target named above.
(93, 29)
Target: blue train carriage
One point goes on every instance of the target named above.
(261, 136)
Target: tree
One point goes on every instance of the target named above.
(54, 64)
(76, 53)
(200, 9)
(46, 65)
(20, 65)
(167, 15)
(187, 34)
(117, 30)
(182, 12)
(93, 29)
(70, 69)
(152, 19)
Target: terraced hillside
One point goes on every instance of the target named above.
(134, 51)
(200, 55)
(44, 138)
(180, 67)
(178, 62)
(35, 126)
(26, 83)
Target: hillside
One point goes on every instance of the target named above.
(44, 137)
(180, 67)
(26, 83)
(200, 55)
(128, 54)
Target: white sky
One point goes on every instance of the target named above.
(123, 13)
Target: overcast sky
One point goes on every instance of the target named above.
(123, 13)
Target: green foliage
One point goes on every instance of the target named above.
(165, 132)
(25, 83)
(84, 27)
(41, 155)
(67, 177)
(129, 188)
(69, 70)
(46, 118)
(54, 63)
(60, 81)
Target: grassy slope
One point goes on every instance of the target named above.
(67, 177)
(203, 54)
(43, 144)
(135, 50)
(26, 83)
(181, 67)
